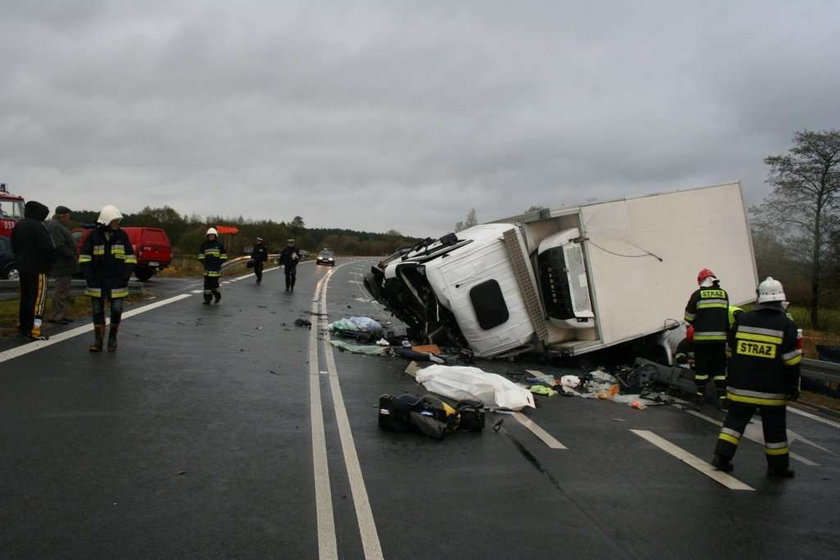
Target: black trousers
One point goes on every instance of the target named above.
(710, 365)
(291, 276)
(774, 423)
(258, 269)
(211, 288)
(33, 298)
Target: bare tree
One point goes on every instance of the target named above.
(468, 222)
(804, 207)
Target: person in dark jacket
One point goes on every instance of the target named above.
(212, 255)
(763, 375)
(289, 258)
(708, 312)
(65, 264)
(107, 261)
(259, 255)
(34, 255)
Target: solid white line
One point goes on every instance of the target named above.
(754, 434)
(327, 545)
(66, 335)
(814, 417)
(544, 436)
(364, 514)
(693, 461)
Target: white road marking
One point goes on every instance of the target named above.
(197, 292)
(364, 514)
(814, 417)
(726, 480)
(66, 335)
(327, 545)
(755, 434)
(544, 436)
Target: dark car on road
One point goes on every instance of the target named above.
(326, 257)
(8, 268)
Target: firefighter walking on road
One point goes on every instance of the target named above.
(259, 255)
(107, 260)
(763, 374)
(212, 255)
(708, 312)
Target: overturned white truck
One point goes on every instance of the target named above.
(575, 279)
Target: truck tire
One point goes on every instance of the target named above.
(143, 273)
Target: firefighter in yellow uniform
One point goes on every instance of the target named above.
(708, 312)
(763, 375)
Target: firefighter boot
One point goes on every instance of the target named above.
(218, 295)
(99, 335)
(777, 466)
(207, 299)
(112, 338)
(722, 463)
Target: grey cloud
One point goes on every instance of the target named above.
(404, 115)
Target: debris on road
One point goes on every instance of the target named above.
(360, 328)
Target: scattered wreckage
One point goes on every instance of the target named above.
(571, 280)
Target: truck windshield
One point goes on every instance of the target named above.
(11, 209)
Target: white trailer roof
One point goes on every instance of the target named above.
(633, 291)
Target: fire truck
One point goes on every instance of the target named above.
(11, 210)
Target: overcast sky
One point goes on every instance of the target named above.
(403, 115)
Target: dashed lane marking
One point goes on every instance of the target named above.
(66, 335)
(693, 461)
(544, 436)
(754, 434)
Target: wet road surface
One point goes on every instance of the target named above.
(228, 432)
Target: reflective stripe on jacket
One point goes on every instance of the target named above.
(764, 359)
(708, 311)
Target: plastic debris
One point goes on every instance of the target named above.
(362, 328)
(542, 390)
(368, 349)
(568, 384)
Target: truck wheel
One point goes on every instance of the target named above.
(143, 274)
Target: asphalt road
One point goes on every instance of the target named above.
(226, 431)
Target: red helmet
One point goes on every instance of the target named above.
(703, 274)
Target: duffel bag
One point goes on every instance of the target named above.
(471, 414)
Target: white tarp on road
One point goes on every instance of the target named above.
(463, 382)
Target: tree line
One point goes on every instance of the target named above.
(187, 232)
(796, 229)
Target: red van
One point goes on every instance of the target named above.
(151, 246)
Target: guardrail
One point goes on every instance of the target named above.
(820, 370)
(9, 288)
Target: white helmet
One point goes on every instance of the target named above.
(108, 214)
(770, 290)
(212, 231)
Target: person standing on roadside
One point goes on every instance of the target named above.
(34, 254)
(212, 255)
(65, 264)
(289, 258)
(259, 255)
(107, 261)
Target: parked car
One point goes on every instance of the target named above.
(326, 257)
(151, 247)
(8, 268)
